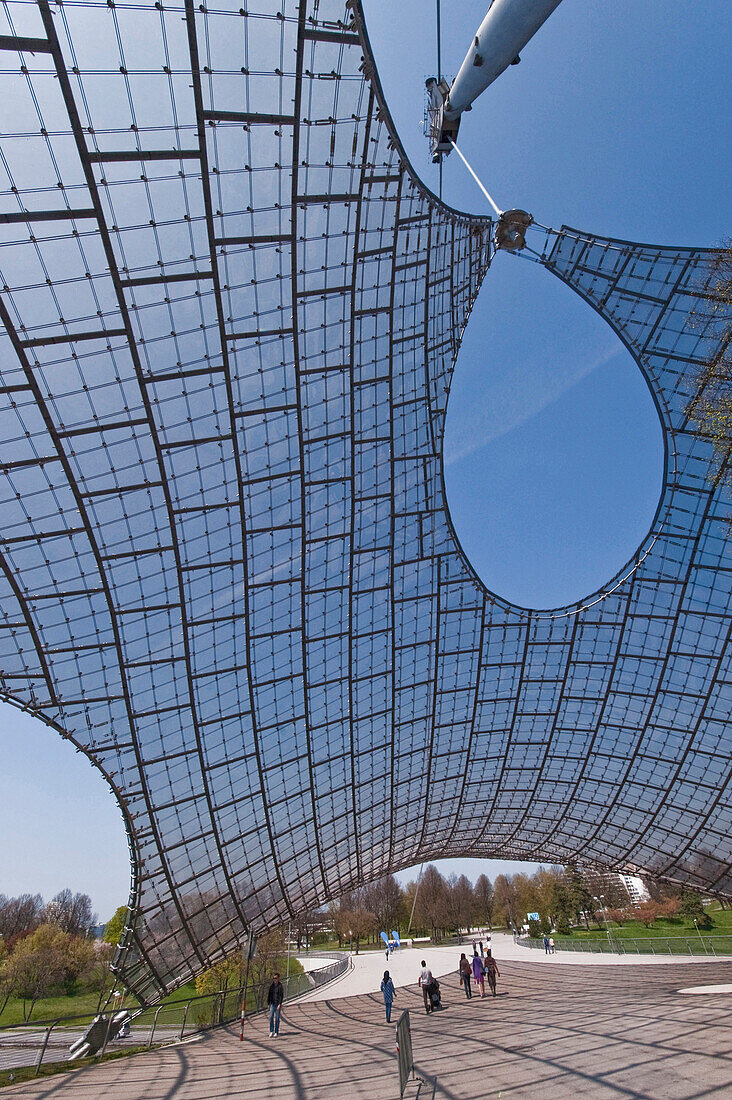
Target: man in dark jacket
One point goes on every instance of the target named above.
(275, 998)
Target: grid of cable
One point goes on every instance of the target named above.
(230, 314)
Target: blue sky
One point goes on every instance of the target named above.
(614, 122)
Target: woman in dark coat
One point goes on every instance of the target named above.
(387, 988)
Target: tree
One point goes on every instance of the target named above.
(711, 406)
(647, 912)
(580, 897)
(98, 977)
(618, 916)
(385, 900)
(485, 901)
(691, 907)
(669, 908)
(506, 902)
(431, 910)
(115, 925)
(271, 952)
(37, 965)
(562, 907)
(460, 902)
(302, 926)
(224, 975)
(545, 882)
(20, 915)
(340, 926)
(72, 913)
(363, 924)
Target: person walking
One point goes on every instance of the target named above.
(546, 945)
(551, 945)
(275, 997)
(387, 988)
(477, 964)
(425, 981)
(490, 969)
(464, 971)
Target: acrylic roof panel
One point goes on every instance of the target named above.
(230, 317)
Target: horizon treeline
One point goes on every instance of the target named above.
(562, 896)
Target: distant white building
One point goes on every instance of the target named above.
(636, 888)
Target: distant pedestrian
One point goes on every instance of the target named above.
(480, 948)
(551, 945)
(464, 971)
(490, 969)
(387, 988)
(477, 964)
(425, 981)
(275, 997)
(546, 945)
(387, 952)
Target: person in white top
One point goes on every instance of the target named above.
(425, 981)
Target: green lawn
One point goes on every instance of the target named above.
(674, 934)
(664, 926)
(82, 1004)
(172, 1014)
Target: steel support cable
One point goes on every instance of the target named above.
(475, 177)
(439, 76)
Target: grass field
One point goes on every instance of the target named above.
(667, 935)
(172, 1014)
(84, 1005)
(664, 926)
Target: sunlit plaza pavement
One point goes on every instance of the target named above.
(553, 1031)
(367, 968)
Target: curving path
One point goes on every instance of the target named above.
(553, 1033)
(404, 965)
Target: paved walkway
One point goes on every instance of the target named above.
(553, 1033)
(404, 965)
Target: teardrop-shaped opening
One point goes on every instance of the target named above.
(60, 822)
(553, 453)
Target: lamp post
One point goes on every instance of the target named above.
(601, 900)
(700, 937)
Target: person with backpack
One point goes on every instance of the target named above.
(490, 970)
(389, 992)
(464, 972)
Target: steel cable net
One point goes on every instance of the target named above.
(230, 314)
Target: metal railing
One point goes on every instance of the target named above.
(713, 946)
(324, 974)
(45, 1041)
